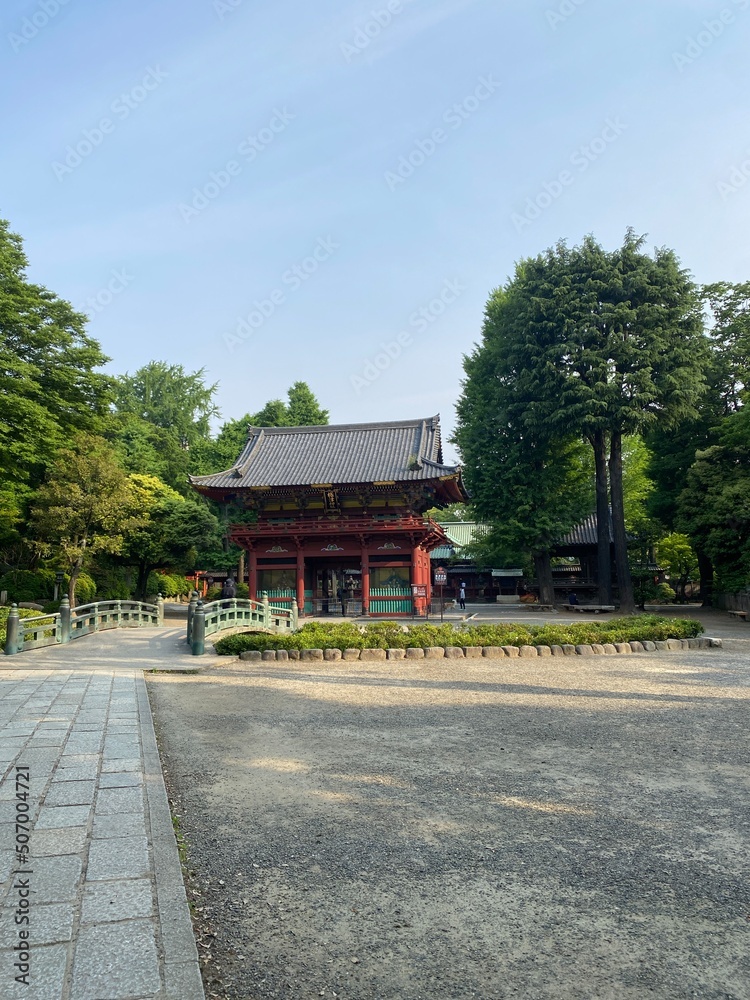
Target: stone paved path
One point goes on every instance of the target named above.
(107, 911)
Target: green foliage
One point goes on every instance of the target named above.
(392, 635)
(168, 397)
(168, 585)
(85, 507)
(169, 530)
(4, 612)
(49, 386)
(678, 557)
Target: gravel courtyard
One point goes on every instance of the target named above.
(552, 828)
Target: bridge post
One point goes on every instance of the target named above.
(198, 644)
(65, 619)
(295, 616)
(159, 610)
(190, 613)
(266, 610)
(13, 628)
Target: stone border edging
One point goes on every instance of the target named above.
(477, 652)
(182, 975)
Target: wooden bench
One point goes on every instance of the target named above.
(738, 614)
(591, 609)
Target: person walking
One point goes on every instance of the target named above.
(229, 589)
(462, 596)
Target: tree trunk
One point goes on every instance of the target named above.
(140, 590)
(543, 567)
(604, 561)
(706, 568)
(74, 574)
(624, 579)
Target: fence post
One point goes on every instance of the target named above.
(295, 615)
(198, 643)
(159, 610)
(190, 612)
(266, 610)
(65, 619)
(11, 636)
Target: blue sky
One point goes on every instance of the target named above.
(329, 191)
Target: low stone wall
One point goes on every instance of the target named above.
(732, 602)
(477, 652)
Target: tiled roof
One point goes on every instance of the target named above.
(402, 451)
(584, 533)
(460, 534)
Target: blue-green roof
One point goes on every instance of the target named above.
(460, 534)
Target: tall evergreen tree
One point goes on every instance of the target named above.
(531, 486)
(49, 386)
(606, 344)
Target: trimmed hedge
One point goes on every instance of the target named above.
(393, 635)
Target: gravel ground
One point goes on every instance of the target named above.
(556, 828)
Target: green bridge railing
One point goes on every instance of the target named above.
(72, 623)
(206, 619)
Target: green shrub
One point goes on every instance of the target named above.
(393, 635)
(4, 612)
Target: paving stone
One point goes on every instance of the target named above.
(183, 980)
(511, 650)
(396, 654)
(46, 983)
(70, 793)
(331, 655)
(528, 651)
(53, 817)
(543, 650)
(118, 900)
(123, 825)
(472, 652)
(7, 858)
(120, 779)
(118, 800)
(116, 961)
(434, 653)
(55, 880)
(350, 654)
(623, 647)
(415, 653)
(47, 843)
(76, 759)
(119, 857)
(122, 764)
(78, 772)
(557, 650)
(51, 924)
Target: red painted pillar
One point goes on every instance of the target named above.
(301, 579)
(365, 559)
(252, 574)
(416, 576)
